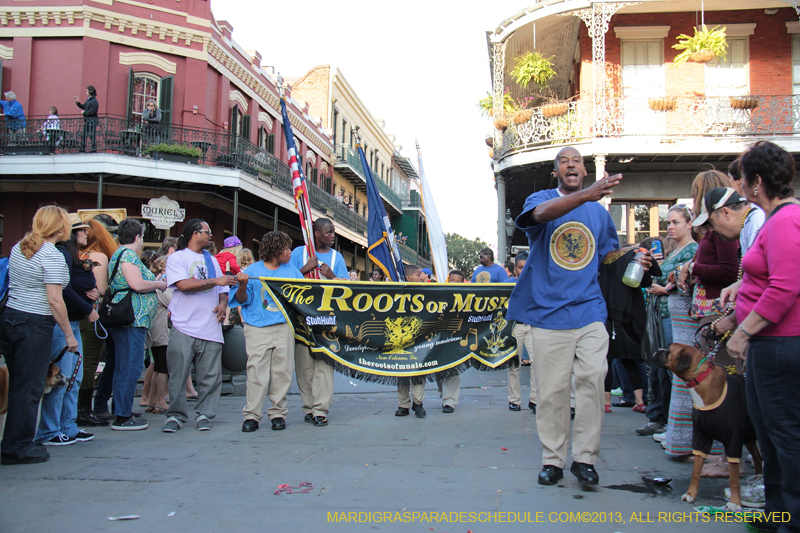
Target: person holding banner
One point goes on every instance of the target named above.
(559, 296)
(269, 339)
(405, 389)
(314, 376)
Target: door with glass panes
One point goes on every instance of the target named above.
(642, 78)
(636, 220)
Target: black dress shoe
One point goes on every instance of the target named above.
(88, 418)
(37, 455)
(419, 411)
(320, 421)
(278, 424)
(623, 403)
(309, 418)
(550, 475)
(402, 411)
(249, 425)
(572, 413)
(448, 408)
(532, 407)
(585, 473)
(514, 406)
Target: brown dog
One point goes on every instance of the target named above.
(54, 378)
(719, 412)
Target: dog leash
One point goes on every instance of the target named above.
(97, 323)
(75, 371)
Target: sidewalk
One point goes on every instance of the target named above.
(366, 460)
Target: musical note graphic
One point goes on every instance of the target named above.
(472, 331)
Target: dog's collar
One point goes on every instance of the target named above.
(703, 375)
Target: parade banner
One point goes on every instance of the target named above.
(391, 332)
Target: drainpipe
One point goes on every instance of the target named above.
(235, 210)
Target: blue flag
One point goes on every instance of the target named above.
(381, 246)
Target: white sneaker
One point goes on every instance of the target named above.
(660, 437)
(752, 495)
(664, 445)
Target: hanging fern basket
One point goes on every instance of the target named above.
(703, 56)
(662, 103)
(744, 102)
(555, 110)
(521, 117)
(501, 123)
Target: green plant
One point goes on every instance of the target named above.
(178, 149)
(265, 171)
(486, 105)
(533, 66)
(712, 40)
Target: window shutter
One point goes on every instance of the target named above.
(129, 113)
(260, 138)
(1, 73)
(234, 118)
(271, 144)
(246, 127)
(165, 100)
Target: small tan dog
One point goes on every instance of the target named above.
(719, 412)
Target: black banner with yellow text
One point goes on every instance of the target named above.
(391, 332)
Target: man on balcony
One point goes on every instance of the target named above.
(315, 377)
(558, 295)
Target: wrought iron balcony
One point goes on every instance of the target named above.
(119, 135)
(347, 157)
(667, 118)
(408, 255)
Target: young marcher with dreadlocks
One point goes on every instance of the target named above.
(198, 305)
(269, 339)
(315, 377)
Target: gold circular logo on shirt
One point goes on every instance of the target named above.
(572, 246)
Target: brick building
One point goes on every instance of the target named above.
(216, 100)
(641, 115)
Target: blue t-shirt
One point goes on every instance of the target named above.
(260, 310)
(490, 274)
(333, 259)
(558, 288)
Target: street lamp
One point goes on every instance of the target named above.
(510, 227)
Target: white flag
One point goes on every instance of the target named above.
(435, 233)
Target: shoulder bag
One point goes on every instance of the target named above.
(116, 314)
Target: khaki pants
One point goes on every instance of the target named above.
(315, 381)
(270, 362)
(404, 400)
(521, 332)
(558, 354)
(449, 390)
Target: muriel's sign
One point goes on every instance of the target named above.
(163, 212)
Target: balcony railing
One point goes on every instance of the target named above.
(347, 155)
(675, 118)
(119, 135)
(408, 255)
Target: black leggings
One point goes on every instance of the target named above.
(160, 359)
(633, 374)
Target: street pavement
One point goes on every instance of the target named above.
(482, 459)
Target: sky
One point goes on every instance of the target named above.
(421, 65)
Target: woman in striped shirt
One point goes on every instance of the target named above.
(37, 276)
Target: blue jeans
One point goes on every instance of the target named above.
(26, 340)
(773, 372)
(129, 353)
(60, 408)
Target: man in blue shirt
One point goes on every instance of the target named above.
(568, 233)
(315, 377)
(489, 272)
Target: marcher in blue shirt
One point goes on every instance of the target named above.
(558, 294)
(489, 272)
(332, 262)
(15, 115)
(315, 377)
(269, 339)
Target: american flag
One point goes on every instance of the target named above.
(299, 188)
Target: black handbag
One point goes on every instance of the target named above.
(116, 314)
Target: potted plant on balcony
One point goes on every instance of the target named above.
(179, 153)
(704, 46)
(486, 105)
(744, 102)
(264, 174)
(533, 66)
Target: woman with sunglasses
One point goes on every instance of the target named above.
(679, 229)
(57, 424)
(151, 116)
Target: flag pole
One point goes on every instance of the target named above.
(298, 182)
